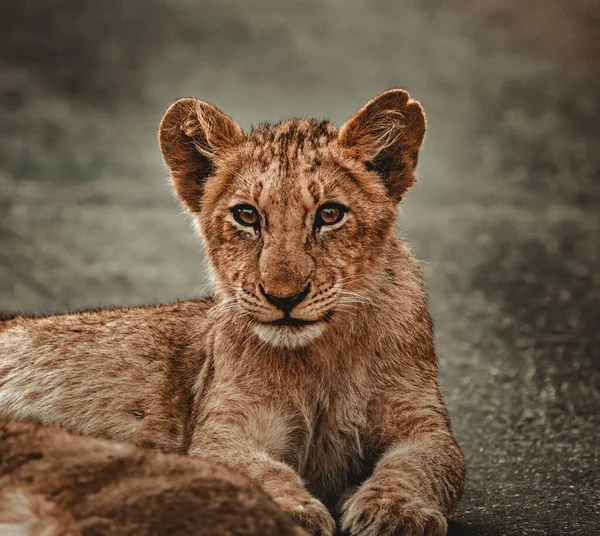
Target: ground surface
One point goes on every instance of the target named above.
(506, 215)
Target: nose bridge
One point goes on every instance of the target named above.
(285, 266)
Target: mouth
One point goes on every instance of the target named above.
(288, 321)
(293, 322)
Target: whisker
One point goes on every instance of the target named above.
(358, 296)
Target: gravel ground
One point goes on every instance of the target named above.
(506, 214)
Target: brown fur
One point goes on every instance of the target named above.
(343, 412)
(56, 484)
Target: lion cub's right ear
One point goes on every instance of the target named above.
(192, 135)
(386, 134)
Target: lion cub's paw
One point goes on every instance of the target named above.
(371, 513)
(310, 513)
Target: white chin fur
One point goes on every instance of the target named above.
(288, 337)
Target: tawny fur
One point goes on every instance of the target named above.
(343, 414)
(53, 483)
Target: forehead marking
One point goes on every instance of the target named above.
(286, 155)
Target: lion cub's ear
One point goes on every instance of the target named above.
(192, 135)
(386, 135)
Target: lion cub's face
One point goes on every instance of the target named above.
(290, 230)
(295, 215)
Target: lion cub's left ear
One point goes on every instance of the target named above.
(386, 135)
(193, 134)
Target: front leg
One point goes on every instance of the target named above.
(419, 478)
(254, 439)
(286, 488)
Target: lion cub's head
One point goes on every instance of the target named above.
(294, 215)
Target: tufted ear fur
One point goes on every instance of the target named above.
(192, 135)
(386, 135)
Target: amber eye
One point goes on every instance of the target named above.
(329, 214)
(245, 215)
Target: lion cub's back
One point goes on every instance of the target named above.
(123, 373)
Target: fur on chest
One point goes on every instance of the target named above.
(313, 418)
(334, 454)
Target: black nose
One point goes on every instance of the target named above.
(286, 303)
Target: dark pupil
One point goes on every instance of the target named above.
(330, 214)
(247, 215)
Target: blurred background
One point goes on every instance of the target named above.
(505, 215)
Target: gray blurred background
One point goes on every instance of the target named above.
(505, 216)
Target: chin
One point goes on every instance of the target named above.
(289, 336)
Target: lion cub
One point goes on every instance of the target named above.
(312, 369)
